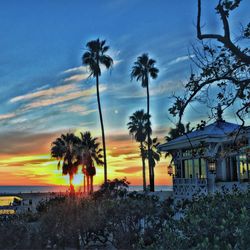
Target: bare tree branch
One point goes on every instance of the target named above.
(225, 39)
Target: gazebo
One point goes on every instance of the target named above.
(210, 159)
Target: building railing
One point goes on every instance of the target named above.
(196, 181)
(186, 188)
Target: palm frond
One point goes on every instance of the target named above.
(143, 68)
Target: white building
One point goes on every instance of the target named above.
(206, 160)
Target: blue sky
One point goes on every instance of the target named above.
(45, 90)
(41, 40)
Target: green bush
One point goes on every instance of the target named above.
(132, 221)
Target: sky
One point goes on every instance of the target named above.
(45, 90)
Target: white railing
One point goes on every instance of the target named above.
(186, 188)
(196, 181)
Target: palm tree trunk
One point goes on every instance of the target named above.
(91, 184)
(151, 170)
(143, 169)
(88, 184)
(71, 186)
(84, 183)
(102, 128)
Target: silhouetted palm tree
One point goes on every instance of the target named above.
(179, 130)
(143, 69)
(93, 58)
(138, 127)
(154, 155)
(65, 149)
(91, 153)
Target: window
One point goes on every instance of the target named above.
(231, 168)
(244, 167)
(203, 173)
(187, 166)
(194, 168)
(200, 168)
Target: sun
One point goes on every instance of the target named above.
(78, 180)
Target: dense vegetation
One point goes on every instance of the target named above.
(115, 219)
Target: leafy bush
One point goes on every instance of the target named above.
(221, 221)
(132, 221)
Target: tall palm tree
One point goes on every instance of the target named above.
(91, 155)
(64, 149)
(138, 127)
(143, 69)
(93, 58)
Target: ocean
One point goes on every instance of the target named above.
(46, 189)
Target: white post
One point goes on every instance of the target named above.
(193, 168)
(238, 167)
(180, 152)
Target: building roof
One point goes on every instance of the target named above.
(213, 132)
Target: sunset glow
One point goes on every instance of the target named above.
(40, 169)
(46, 91)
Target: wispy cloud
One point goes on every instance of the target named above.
(7, 116)
(180, 59)
(76, 77)
(159, 89)
(56, 95)
(81, 73)
(75, 69)
(62, 98)
(83, 110)
(45, 92)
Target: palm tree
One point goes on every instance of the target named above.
(91, 153)
(64, 149)
(138, 128)
(143, 69)
(179, 130)
(154, 155)
(93, 58)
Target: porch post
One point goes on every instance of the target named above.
(238, 167)
(231, 168)
(181, 165)
(193, 172)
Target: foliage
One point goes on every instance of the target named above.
(44, 205)
(179, 130)
(154, 155)
(143, 68)
(138, 125)
(64, 149)
(132, 221)
(75, 151)
(112, 189)
(221, 221)
(220, 63)
(96, 55)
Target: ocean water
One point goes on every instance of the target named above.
(46, 189)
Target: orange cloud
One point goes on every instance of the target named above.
(129, 170)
